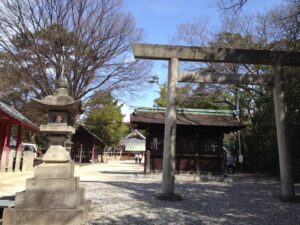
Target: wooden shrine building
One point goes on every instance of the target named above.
(199, 141)
(86, 146)
(12, 125)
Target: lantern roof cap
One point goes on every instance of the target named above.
(60, 100)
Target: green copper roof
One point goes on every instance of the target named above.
(188, 111)
(132, 147)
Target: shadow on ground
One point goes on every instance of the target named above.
(249, 201)
(122, 172)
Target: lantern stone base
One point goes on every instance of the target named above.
(56, 154)
(51, 197)
(33, 216)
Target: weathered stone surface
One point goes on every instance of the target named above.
(48, 199)
(221, 55)
(222, 78)
(31, 216)
(168, 177)
(63, 184)
(28, 158)
(82, 194)
(56, 153)
(57, 128)
(54, 170)
(11, 156)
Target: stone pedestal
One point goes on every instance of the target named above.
(52, 197)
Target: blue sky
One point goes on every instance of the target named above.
(159, 19)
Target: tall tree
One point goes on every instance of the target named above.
(86, 40)
(104, 118)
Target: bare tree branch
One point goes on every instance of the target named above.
(91, 39)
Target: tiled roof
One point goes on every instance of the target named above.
(85, 130)
(207, 118)
(134, 134)
(12, 112)
(132, 141)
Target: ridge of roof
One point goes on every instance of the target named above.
(11, 111)
(187, 111)
(135, 132)
(204, 120)
(91, 133)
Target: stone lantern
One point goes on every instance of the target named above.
(62, 111)
(53, 195)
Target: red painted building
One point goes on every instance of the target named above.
(86, 146)
(11, 119)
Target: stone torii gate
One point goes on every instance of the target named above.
(174, 54)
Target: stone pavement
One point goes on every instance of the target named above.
(10, 182)
(122, 194)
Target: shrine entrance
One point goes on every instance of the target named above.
(174, 54)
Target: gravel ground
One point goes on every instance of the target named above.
(128, 197)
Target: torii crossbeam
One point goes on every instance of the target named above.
(174, 54)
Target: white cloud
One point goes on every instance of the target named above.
(126, 111)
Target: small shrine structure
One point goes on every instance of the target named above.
(133, 143)
(199, 142)
(86, 146)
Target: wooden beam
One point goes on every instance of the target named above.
(218, 55)
(207, 77)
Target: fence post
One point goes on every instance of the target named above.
(28, 158)
(11, 157)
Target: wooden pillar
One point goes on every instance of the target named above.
(197, 161)
(93, 152)
(285, 163)
(80, 155)
(19, 148)
(5, 152)
(147, 167)
(168, 176)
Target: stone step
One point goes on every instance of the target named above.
(62, 184)
(54, 170)
(49, 199)
(82, 194)
(32, 216)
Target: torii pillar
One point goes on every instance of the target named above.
(285, 162)
(168, 176)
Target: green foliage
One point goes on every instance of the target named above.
(105, 119)
(261, 151)
(292, 100)
(161, 101)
